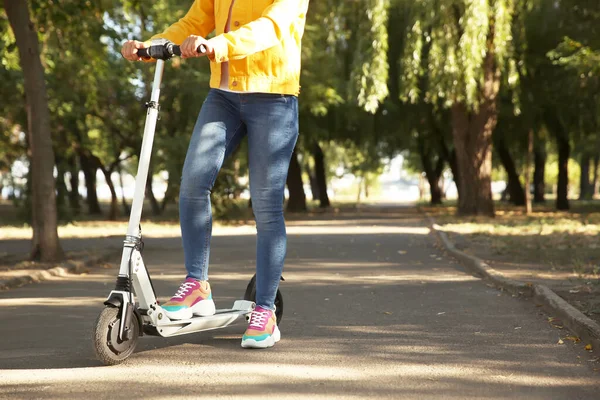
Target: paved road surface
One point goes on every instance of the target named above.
(372, 310)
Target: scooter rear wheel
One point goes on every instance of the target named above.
(108, 347)
(250, 295)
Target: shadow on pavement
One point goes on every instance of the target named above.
(366, 315)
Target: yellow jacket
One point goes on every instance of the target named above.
(262, 46)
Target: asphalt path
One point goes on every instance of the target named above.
(373, 309)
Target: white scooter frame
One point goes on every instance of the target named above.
(132, 265)
(113, 344)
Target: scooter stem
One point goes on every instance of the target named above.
(146, 153)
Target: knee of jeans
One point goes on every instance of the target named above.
(266, 219)
(267, 213)
(193, 190)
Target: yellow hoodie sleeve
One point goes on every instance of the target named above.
(199, 20)
(260, 34)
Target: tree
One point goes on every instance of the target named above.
(297, 198)
(320, 176)
(570, 83)
(470, 51)
(45, 243)
(539, 173)
(507, 137)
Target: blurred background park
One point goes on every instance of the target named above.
(484, 112)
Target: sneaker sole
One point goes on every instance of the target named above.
(263, 344)
(205, 308)
(185, 313)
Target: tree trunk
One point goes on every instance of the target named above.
(451, 157)
(539, 187)
(173, 185)
(297, 199)
(89, 168)
(454, 168)
(595, 179)
(156, 209)
(564, 151)
(45, 243)
(74, 181)
(431, 173)
(585, 186)
(435, 190)
(321, 179)
(168, 196)
(472, 134)
(314, 188)
(114, 201)
(514, 188)
(359, 193)
(528, 162)
(421, 186)
(473, 142)
(556, 127)
(123, 200)
(61, 186)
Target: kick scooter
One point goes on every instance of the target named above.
(132, 309)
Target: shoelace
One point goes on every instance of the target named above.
(183, 289)
(259, 319)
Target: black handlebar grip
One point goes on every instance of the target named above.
(164, 52)
(143, 53)
(177, 50)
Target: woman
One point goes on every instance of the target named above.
(255, 73)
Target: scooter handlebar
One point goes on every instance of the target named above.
(164, 51)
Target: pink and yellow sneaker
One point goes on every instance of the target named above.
(192, 298)
(262, 330)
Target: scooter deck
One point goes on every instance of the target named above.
(222, 318)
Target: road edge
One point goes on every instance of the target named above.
(64, 268)
(577, 322)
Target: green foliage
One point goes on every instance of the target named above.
(458, 35)
(370, 68)
(378, 77)
(574, 55)
(12, 144)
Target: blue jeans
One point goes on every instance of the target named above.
(271, 123)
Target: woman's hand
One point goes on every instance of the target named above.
(129, 50)
(190, 45)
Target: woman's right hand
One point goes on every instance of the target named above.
(129, 50)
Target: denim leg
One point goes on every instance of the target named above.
(218, 131)
(272, 123)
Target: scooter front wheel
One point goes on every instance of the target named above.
(108, 347)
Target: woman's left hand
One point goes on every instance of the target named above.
(190, 46)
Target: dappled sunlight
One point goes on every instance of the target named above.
(440, 277)
(355, 222)
(363, 230)
(328, 278)
(524, 273)
(505, 230)
(52, 301)
(389, 331)
(328, 229)
(362, 343)
(92, 229)
(363, 373)
(106, 229)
